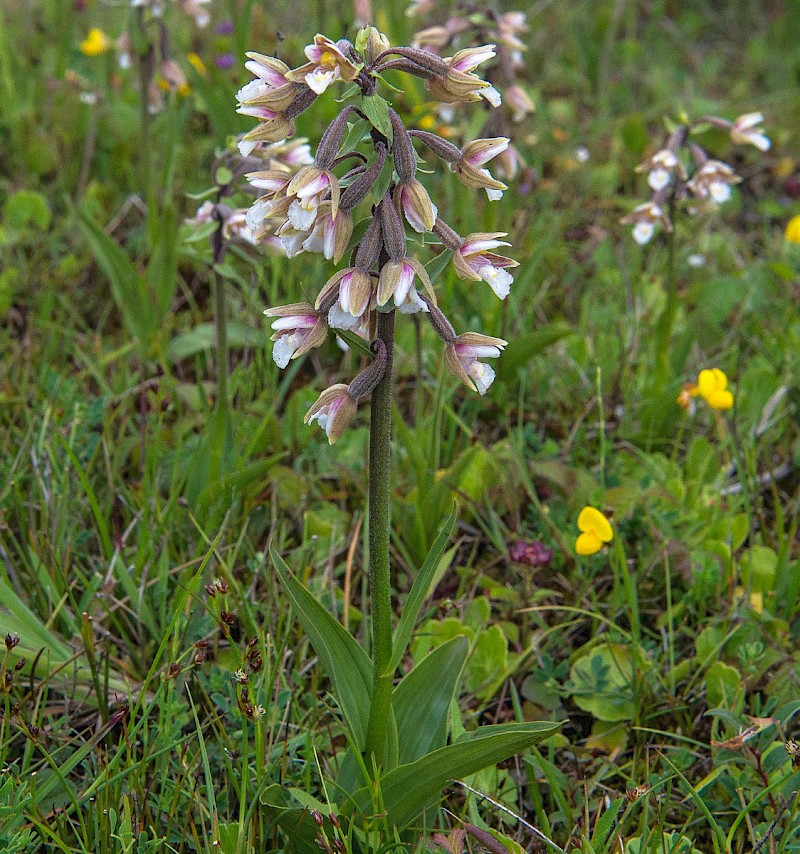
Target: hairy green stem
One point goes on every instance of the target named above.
(667, 319)
(221, 324)
(380, 453)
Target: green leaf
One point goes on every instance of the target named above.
(162, 269)
(128, 287)
(27, 208)
(605, 824)
(408, 789)
(376, 109)
(347, 665)
(601, 682)
(723, 686)
(422, 700)
(436, 266)
(357, 132)
(420, 590)
(203, 337)
(299, 828)
(525, 347)
(355, 342)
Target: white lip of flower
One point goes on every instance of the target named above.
(493, 195)
(714, 179)
(285, 347)
(658, 178)
(463, 355)
(491, 95)
(644, 219)
(720, 191)
(406, 298)
(236, 227)
(292, 240)
(412, 303)
(302, 214)
(643, 232)
(339, 318)
(498, 279)
(246, 147)
(482, 374)
(318, 80)
(659, 168)
(253, 89)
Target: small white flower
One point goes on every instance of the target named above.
(744, 130)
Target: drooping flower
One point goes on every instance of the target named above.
(353, 289)
(267, 98)
(195, 9)
(459, 83)
(462, 356)
(475, 261)
(270, 93)
(713, 180)
(397, 282)
(644, 219)
(333, 411)
(793, 229)
(236, 228)
(745, 130)
(412, 199)
(712, 386)
(660, 168)
(595, 531)
(469, 168)
(509, 163)
(310, 187)
(95, 43)
(330, 236)
(326, 64)
(299, 328)
(520, 102)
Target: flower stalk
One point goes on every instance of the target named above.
(379, 522)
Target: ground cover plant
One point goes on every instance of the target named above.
(600, 548)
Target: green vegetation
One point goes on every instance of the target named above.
(158, 690)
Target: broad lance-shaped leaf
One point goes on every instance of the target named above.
(408, 789)
(525, 347)
(422, 700)
(128, 287)
(420, 590)
(345, 662)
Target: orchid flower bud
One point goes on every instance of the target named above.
(415, 203)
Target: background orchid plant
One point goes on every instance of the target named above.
(361, 199)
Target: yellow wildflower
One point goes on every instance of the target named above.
(793, 229)
(95, 43)
(756, 598)
(712, 386)
(197, 63)
(595, 531)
